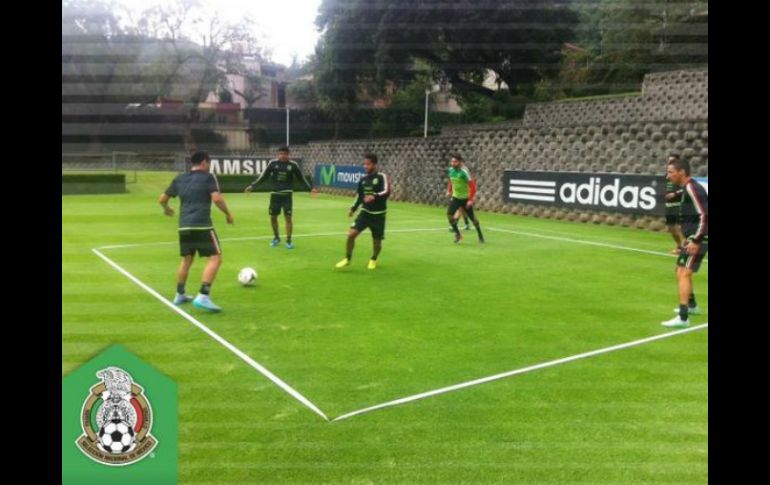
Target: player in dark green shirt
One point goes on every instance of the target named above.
(282, 174)
(674, 194)
(372, 196)
(196, 190)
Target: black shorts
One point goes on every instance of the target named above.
(692, 261)
(672, 215)
(375, 223)
(280, 202)
(456, 204)
(205, 242)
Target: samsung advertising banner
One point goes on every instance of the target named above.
(240, 164)
(338, 176)
(623, 193)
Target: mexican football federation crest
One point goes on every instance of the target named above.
(116, 420)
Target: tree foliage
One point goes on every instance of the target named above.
(371, 43)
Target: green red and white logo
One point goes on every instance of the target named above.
(116, 420)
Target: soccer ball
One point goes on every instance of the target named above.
(116, 437)
(247, 276)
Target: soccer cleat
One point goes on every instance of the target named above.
(481, 240)
(180, 298)
(342, 263)
(372, 264)
(676, 322)
(458, 238)
(467, 227)
(289, 245)
(204, 302)
(275, 242)
(691, 310)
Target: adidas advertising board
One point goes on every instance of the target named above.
(611, 192)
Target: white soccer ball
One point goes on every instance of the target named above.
(247, 276)
(116, 437)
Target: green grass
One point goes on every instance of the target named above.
(433, 314)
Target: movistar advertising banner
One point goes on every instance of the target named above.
(339, 176)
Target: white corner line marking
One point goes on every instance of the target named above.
(503, 375)
(232, 348)
(583, 241)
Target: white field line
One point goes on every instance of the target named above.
(509, 231)
(583, 241)
(503, 375)
(259, 238)
(415, 397)
(232, 348)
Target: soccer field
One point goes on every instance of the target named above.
(433, 314)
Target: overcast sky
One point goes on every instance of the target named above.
(287, 27)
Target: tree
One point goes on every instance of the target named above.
(626, 39)
(152, 56)
(90, 31)
(253, 90)
(371, 43)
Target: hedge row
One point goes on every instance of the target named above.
(103, 183)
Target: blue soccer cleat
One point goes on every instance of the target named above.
(204, 302)
(275, 242)
(289, 245)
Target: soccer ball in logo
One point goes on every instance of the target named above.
(116, 419)
(247, 276)
(116, 436)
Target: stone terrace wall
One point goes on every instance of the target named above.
(627, 135)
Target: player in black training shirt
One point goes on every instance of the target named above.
(197, 189)
(694, 217)
(674, 194)
(282, 174)
(373, 192)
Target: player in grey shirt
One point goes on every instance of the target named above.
(197, 189)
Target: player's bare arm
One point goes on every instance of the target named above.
(164, 203)
(219, 201)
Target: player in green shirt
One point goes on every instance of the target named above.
(462, 190)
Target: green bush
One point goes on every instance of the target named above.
(103, 183)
